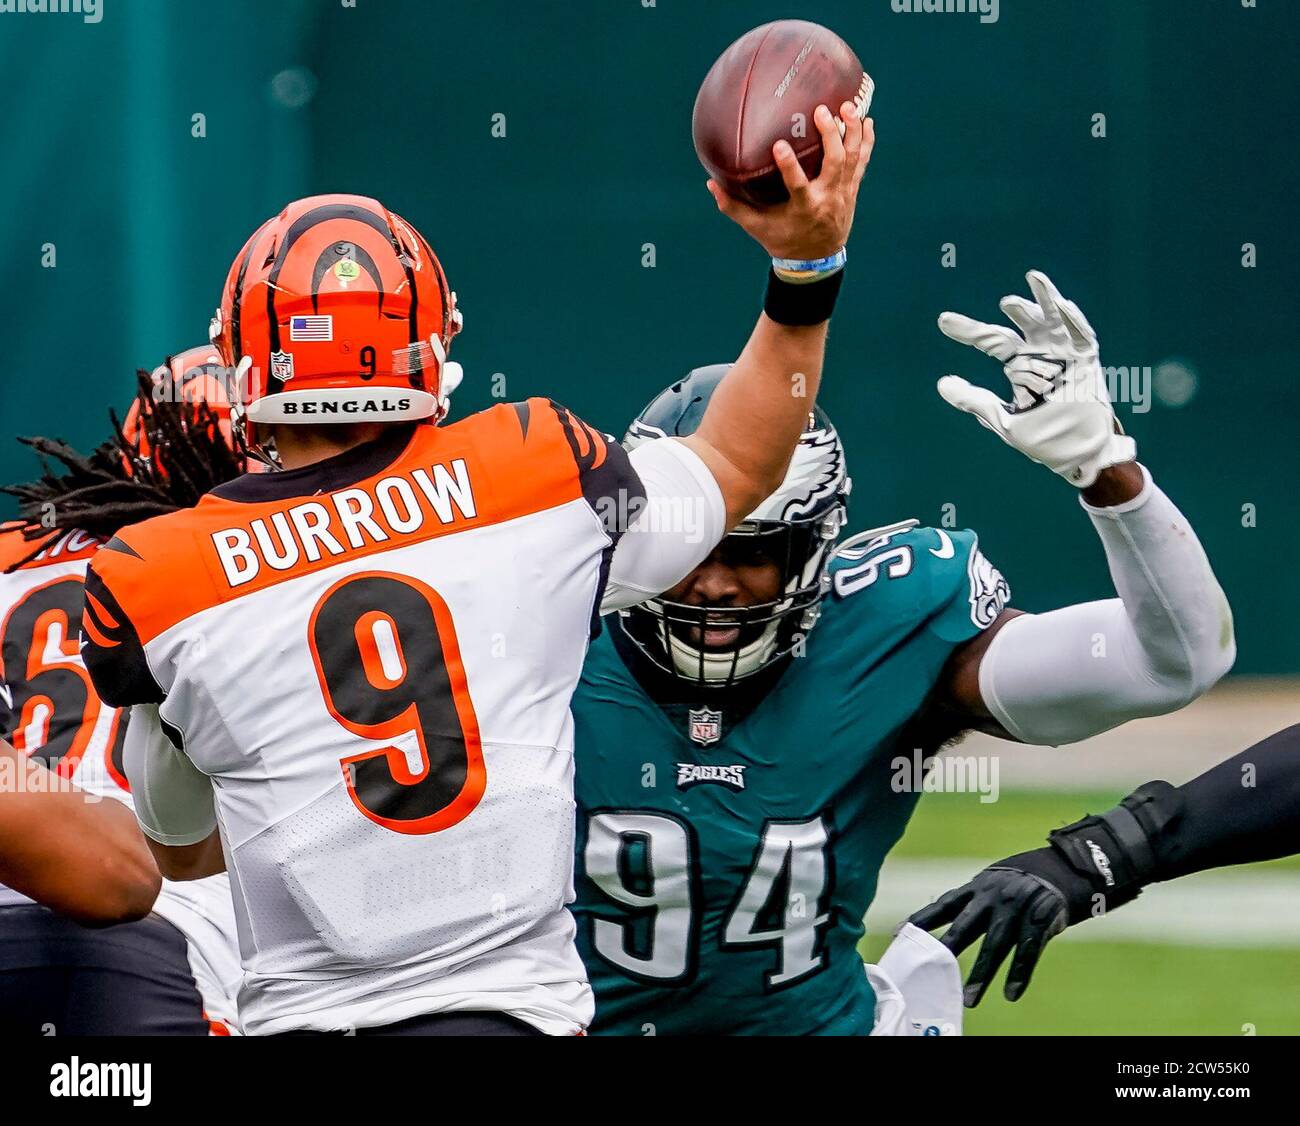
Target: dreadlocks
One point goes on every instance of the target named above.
(176, 454)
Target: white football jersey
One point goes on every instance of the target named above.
(372, 659)
(49, 708)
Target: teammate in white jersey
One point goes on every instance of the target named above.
(351, 677)
(175, 971)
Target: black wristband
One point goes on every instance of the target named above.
(807, 304)
(1112, 849)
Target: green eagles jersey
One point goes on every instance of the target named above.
(729, 846)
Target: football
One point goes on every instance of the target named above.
(765, 87)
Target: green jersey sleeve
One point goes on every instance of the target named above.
(911, 576)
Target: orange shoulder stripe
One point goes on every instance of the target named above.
(516, 459)
(59, 546)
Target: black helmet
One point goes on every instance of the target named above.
(797, 526)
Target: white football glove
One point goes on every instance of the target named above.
(1060, 414)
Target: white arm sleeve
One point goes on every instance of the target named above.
(173, 798)
(1063, 676)
(683, 519)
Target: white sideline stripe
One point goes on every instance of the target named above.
(1209, 909)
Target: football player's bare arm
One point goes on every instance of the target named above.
(755, 417)
(1115, 485)
(758, 411)
(960, 695)
(69, 851)
(190, 862)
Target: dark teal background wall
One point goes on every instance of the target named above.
(985, 142)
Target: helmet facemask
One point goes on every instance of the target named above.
(796, 526)
(674, 635)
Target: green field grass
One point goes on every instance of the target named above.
(1102, 989)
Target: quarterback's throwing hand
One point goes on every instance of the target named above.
(815, 221)
(1060, 414)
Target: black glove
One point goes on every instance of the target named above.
(1024, 901)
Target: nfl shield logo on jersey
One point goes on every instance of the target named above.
(705, 726)
(282, 366)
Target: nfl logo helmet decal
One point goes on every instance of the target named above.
(282, 366)
(704, 726)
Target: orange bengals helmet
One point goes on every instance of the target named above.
(337, 310)
(195, 376)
